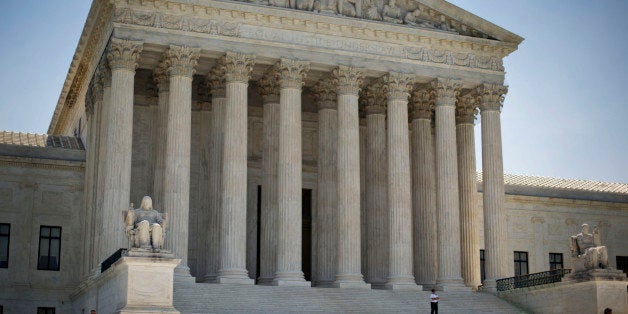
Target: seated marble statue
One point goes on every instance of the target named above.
(392, 13)
(587, 250)
(145, 227)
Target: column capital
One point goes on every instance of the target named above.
(181, 60)
(423, 102)
(103, 72)
(238, 67)
(348, 80)
(491, 96)
(292, 73)
(216, 80)
(161, 79)
(446, 91)
(373, 99)
(325, 94)
(466, 108)
(124, 54)
(268, 86)
(397, 85)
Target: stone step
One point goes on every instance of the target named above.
(215, 298)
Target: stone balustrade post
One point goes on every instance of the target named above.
(348, 267)
(424, 187)
(289, 173)
(327, 183)
(269, 90)
(122, 56)
(469, 211)
(400, 274)
(447, 202)
(374, 107)
(238, 68)
(495, 233)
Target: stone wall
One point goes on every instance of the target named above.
(36, 192)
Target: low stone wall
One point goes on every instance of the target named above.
(572, 297)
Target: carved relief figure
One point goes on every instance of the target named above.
(587, 249)
(392, 13)
(145, 227)
(347, 7)
(307, 5)
(326, 6)
(371, 11)
(279, 3)
(414, 18)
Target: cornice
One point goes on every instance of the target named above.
(39, 163)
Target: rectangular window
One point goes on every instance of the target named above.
(5, 235)
(49, 248)
(521, 263)
(622, 263)
(482, 266)
(45, 310)
(556, 260)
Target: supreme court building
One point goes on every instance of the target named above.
(305, 143)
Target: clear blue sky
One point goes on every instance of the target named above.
(565, 115)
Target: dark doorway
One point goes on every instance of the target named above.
(306, 233)
(622, 263)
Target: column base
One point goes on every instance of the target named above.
(489, 285)
(351, 285)
(451, 284)
(402, 283)
(182, 274)
(290, 279)
(234, 276)
(324, 284)
(210, 279)
(268, 281)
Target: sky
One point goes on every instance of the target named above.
(565, 114)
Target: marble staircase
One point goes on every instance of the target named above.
(214, 298)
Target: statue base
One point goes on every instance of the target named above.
(606, 274)
(141, 281)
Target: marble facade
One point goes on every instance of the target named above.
(225, 112)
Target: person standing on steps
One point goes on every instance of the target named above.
(434, 302)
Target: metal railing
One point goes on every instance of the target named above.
(111, 259)
(531, 280)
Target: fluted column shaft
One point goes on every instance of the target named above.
(327, 184)
(180, 63)
(234, 170)
(122, 57)
(447, 202)
(376, 186)
(269, 90)
(495, 233)
(163, 94)
(399, 198)
(289, 237)
(217, 118)
(348, 267)
(469, 213)
(424, 189)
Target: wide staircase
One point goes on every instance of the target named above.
(214, 298)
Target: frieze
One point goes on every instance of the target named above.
(175, 22)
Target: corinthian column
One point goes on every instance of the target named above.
(289, 264)
(216, 82)
(399, 199)
(327, 185)
(348, 267)
(122, 56)
(374, 101)
(447, 203)
(495, 234)
(160, 78)
(232, 269)
(269, 89)
(180, 63)
(424, 188)
(469, 214)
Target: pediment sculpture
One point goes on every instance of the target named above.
(587, 250)
(145, 227)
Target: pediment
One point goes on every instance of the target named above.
(436, 15)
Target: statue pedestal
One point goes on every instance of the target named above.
(608, 274)
(139, 282)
